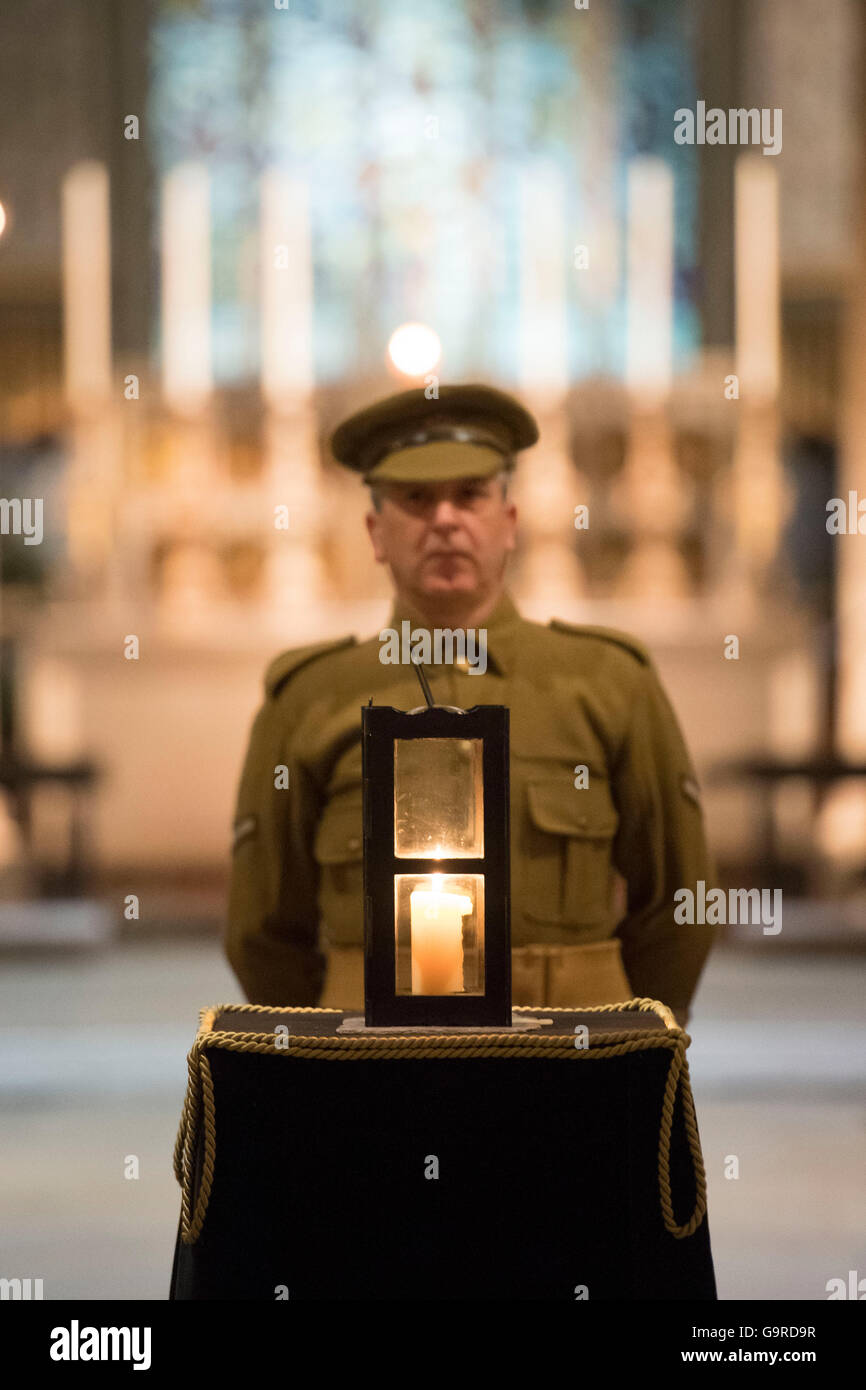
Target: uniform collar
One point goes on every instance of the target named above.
(501, 626)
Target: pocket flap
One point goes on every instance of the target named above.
(339, 838)
(560, 808)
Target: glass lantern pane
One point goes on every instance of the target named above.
(439, 926)
(438, 798)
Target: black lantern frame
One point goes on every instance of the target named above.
(382, 727)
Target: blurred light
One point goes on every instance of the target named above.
(11, 850)
(414, 349)
(2, 219)
(794, 701)
(53, 710)
(841, 825)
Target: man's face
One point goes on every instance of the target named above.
(444, 541)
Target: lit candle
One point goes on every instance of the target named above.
(437, 939)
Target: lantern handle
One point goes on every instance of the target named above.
(428, 695)
(425, 685)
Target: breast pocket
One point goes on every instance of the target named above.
(565, 860)
(339, 852)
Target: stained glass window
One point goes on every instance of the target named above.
(419, 130)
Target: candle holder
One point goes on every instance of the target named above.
(437, 938)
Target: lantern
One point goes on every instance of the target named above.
(437, 937)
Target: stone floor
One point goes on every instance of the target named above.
(92, 1070)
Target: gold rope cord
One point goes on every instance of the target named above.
(199, 1106)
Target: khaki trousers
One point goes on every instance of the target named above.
(541, 976)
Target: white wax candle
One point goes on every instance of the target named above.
(286, 288)
(758, 298)
(650, 302)
(86, 283)
(437, 939)
(186, 287)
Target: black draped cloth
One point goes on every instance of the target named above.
(547, 1182)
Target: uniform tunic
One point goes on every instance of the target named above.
(590, 864)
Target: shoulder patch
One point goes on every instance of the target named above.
(607, 634)
(289, 662)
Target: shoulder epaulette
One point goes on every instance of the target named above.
(607, 634)
(287, 663)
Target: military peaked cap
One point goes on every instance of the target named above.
(466, 432)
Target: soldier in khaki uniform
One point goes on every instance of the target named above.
(606, 821)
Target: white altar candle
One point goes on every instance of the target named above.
(650, 302)
(86, 283)
(758, 297)
(186, 287)
(437, 939)
(286, 260)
